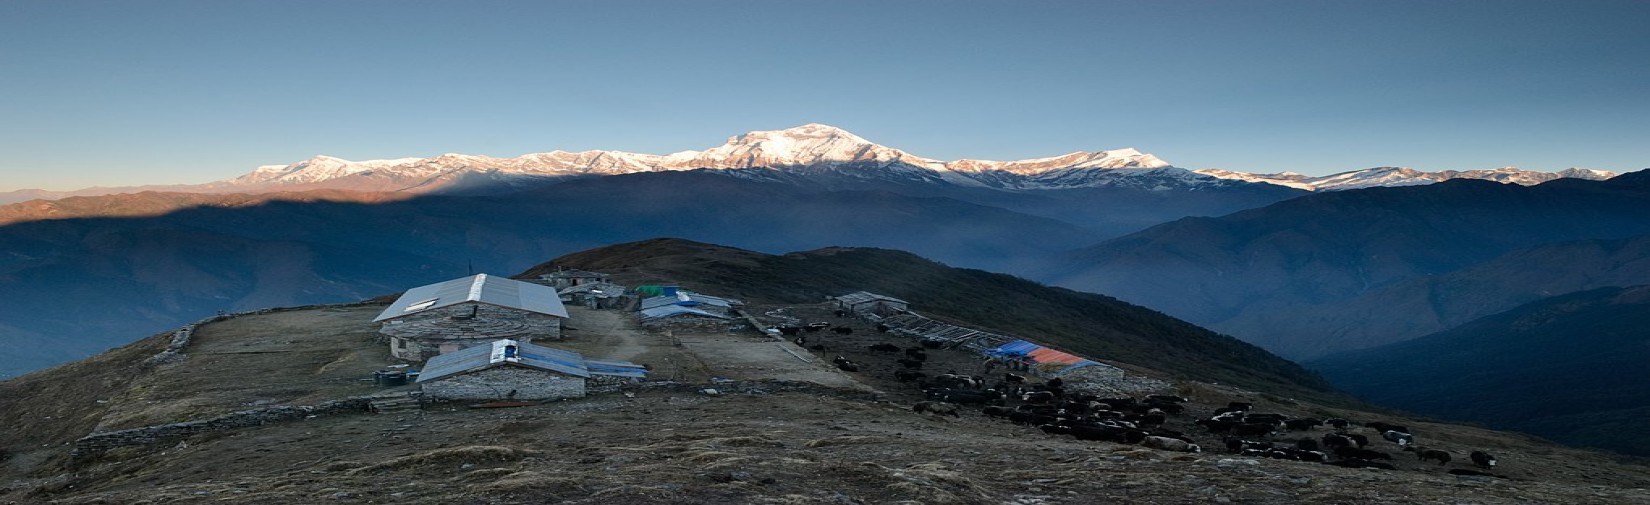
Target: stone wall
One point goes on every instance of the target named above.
(609, 383)
(97, 443)
(506, 383)
(434, 332)
(689, 322)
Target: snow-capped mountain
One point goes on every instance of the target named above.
(812, 154)
(1400, 176)
(806, 149)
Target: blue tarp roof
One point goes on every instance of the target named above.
(1015, 348)
(1041, 354)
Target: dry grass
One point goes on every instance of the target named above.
(453, 457)
(539, 485)
(842, 440)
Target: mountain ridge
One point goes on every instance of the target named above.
(1092, 324)
(1504, 369)
(1230, 273)
(809, 148)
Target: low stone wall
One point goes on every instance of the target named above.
(754, 387)
(609, 383)
(97, 443)
(505, 383)
(690, 323)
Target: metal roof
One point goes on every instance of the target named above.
(497, 353)
(658, 301)
(676, 310)
(859, 297)
(708, 299)
(462, 360)
(479, 288)
(688, 299)
(618, 368)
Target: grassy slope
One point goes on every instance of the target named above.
(60, 404)
(1088, 324)
(1570, 368)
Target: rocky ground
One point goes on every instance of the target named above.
(782, 427)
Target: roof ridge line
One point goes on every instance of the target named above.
(475, 288)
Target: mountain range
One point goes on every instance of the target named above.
(811, 149)
(1382, 177)
(1317, 274)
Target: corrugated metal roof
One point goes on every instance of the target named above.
(713, 300)
(493, 354)
(459, 361)
(688, 299)
(859, 297)
(617, 368)
(479, 288)
(657, 301)
(567, 362)
(676, 310)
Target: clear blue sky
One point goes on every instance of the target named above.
(131, 92)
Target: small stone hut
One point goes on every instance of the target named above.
(863, 302)
(511, 370)
(439, 318)
(595, 295)
(563, 279)
(686, 309)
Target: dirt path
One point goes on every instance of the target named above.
(695, 356)
(617, 332)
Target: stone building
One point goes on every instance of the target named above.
(511, 370)
(563, 279)
(688, 310)
(683, 318)
(439, 318)
(862, 302)
(701, 301)
(595, 295)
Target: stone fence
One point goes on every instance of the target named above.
(97, 443)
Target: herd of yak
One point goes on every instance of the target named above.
(1141, 421)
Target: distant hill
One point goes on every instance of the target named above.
(1570, 368)
(155, 203)
(1090, 324)
(77, 286)
(1253, 272)
(1433, 303)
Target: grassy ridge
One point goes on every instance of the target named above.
(1088, 324)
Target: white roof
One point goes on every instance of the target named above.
(479, 288)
